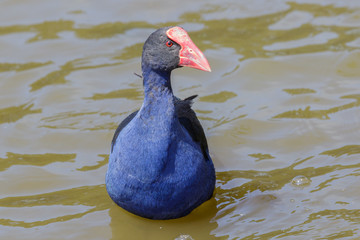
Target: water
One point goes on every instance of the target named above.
(300, 181)
(282, 101)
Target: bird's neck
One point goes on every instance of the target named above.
(156, 80)
(159, 98)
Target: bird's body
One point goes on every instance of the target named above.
(159, 165)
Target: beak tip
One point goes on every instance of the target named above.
(207, 68)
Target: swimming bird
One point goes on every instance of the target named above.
(159, 164)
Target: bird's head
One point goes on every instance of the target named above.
(171, 47)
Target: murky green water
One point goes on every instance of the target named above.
(282, 101)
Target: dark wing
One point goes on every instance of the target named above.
(121, 126)
(190, 122)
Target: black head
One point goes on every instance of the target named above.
(159, 52)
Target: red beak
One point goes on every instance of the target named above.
(190, 55)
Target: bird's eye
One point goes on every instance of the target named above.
(169, 43)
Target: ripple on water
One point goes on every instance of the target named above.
(282, 101)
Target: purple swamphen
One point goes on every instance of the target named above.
(159, 165)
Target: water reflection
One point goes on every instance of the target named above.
(244, 211)
(98, 165)
(198, 224)
(129, 93)
(219, 97)
(4, 67)
(59, 76)
(236, 207)
(13, 159)
(296, 91)
(93, 197)
(320, 114)
(12, 114)
(282, 102)
(348, 150)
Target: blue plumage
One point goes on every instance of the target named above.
(159, 165)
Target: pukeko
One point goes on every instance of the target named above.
(159, 164)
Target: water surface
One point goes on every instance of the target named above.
(282, 102)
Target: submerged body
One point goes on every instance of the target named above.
(159, 165)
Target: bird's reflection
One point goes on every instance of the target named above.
(198, 224)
